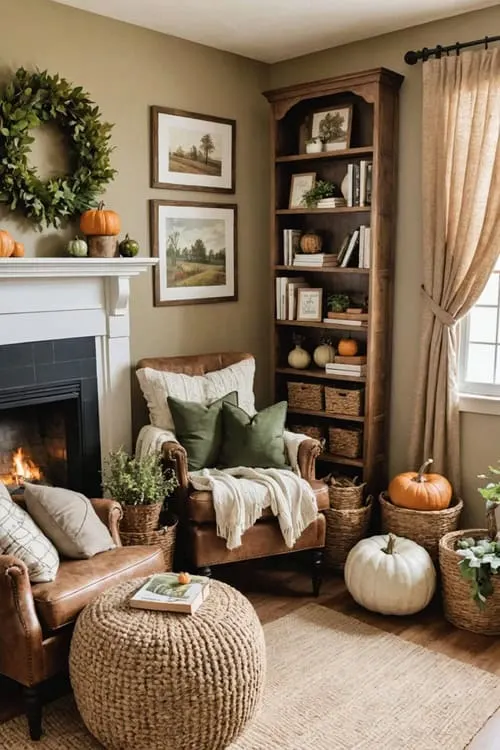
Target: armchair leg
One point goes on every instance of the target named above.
(33, 708)
(317, 570)
(205, 570)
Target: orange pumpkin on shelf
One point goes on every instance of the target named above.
(347, 347)
(183, 578)
(100, 222)
(6, 244)
(18, 250)
(417, 490)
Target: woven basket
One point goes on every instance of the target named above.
(305, 396)
(140, 518)
(164, 538)
(346, 496)
(316, 433)
(344, 529)
(426, 527)
(345, 442)
(459, 607)
(347, 401)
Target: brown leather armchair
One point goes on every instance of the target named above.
(38, 619)
(198, 531)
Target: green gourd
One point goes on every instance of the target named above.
(77, 248)
(128, 247)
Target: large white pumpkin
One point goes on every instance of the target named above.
(390, 574)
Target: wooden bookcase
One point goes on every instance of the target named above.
(373, 95)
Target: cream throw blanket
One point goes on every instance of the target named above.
(241, 494)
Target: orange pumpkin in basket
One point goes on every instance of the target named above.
(417, 490)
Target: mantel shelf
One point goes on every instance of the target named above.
(35, 268)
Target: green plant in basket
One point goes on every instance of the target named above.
(134, 480)
(481, 557)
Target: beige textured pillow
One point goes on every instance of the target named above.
(21, 537)
(68, 519)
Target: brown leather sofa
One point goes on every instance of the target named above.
(196, 511)
(37, 619)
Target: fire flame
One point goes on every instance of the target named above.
(23, 468)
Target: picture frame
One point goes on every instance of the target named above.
(191, 151)
(310, 304)
(334, 123)
(300, 184)
(196, 245)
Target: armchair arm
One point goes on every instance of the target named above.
(110, 512)
(175, 457)
(21, 649)
(309, 450)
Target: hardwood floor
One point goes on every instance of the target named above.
(281, 586)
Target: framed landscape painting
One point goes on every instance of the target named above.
(196, 244)
(190, 151)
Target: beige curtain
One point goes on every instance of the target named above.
(461, 235)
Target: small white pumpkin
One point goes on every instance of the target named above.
(390, 574)
(323, 354)
(299, 358)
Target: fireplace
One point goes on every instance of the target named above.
(49, 422)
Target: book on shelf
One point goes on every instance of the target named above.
(164, 591)
(352, 370)
(315, 259)
(334, 202)
(291, 244)
(284, 293)
(347, 322)
(355, 359)
(359, 183)
(343, 247)
(293, 287)
(355, 249)
(349, 255)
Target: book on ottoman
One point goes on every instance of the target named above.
(172, 592)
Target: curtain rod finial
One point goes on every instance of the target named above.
(411, 57)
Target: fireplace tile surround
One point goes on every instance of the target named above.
(67, 320)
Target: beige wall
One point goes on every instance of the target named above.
(480, 434)
(126, 69)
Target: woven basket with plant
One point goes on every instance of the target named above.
(470, 565)
(345, 493)
(140, 484)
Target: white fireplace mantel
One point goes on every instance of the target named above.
(57, 298)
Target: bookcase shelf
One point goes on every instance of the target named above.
(372, 97)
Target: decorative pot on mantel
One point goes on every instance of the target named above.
(101, 227)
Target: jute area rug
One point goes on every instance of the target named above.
(333, 683)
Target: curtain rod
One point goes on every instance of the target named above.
(413, 56)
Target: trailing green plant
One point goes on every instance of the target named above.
(338, 302)
(137, 480)
(481, 557)
(321, 189)
(29, 100)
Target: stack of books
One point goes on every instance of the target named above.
(315, 260)
(168, 592)
(355, 250)
(334, 202)
(351, 366)
(286, 296)
(358, 187)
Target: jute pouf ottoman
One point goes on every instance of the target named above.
(146, 680)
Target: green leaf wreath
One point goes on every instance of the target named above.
(29, 100)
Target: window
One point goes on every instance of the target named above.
(479, 366)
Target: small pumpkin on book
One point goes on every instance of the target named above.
(184, 578)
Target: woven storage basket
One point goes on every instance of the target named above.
(305, 396)
(346, 496)
(316, 433)
(344, 529)
(140, 518)
(344, 401)
(426, 527)
(345, 441)
(164, 538)
(459, 607)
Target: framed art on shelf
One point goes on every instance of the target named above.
(196, 244)
(309, 304)
(333, 127)
(190, 151)
(299, 185)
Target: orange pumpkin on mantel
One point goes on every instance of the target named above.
(100, 222)
(420, 491)
(6, 244)
(18, 250)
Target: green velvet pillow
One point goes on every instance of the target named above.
(257, 441)
(198, 429)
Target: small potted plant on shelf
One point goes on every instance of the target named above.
(140, 485)
(338, 303)
(314, 145)
(470, 564)
(320, 190)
